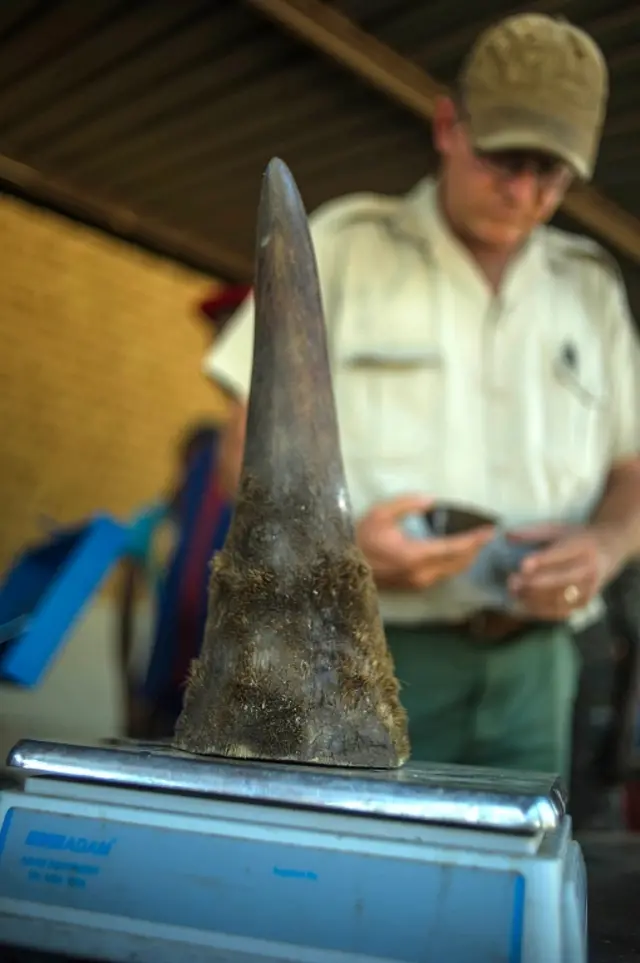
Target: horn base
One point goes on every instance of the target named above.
(294, 666)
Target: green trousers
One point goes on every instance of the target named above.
(507, 705)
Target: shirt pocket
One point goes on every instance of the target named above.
(390, 401)
(577, 409)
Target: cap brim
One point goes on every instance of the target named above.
(528, 138)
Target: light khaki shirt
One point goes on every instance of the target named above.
(516, 404)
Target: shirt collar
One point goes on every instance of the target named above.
(421, 219)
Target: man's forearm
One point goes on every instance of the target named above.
(617, 518)
(232, 449)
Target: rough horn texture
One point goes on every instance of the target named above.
(294, 664)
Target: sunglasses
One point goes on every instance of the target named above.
(548, 171)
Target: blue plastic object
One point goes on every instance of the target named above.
(46, 590)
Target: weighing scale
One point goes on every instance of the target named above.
(134, 852)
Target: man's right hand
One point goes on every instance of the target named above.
(401, 562)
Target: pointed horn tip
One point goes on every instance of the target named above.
(277, 168)
(279, 198)
(278, 180)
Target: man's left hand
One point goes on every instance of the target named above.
(566, 574)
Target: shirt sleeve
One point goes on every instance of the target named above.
(229, 361)
(624, 360)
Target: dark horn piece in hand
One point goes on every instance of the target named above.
(294, 664)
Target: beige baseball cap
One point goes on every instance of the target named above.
(539, 83)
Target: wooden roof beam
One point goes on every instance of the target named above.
(332, 33)
(196, 251)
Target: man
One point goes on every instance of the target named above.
(482, 358)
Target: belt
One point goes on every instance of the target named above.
(487, 625)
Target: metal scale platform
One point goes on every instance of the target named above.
(133, 852)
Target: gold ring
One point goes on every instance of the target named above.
(571, 594)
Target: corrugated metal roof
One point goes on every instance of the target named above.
(166, 113)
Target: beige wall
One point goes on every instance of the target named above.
(100, 348)
(99, 370)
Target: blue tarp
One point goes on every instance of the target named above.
(46, 590)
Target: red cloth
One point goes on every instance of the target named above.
(632, 806)
(226, 300)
